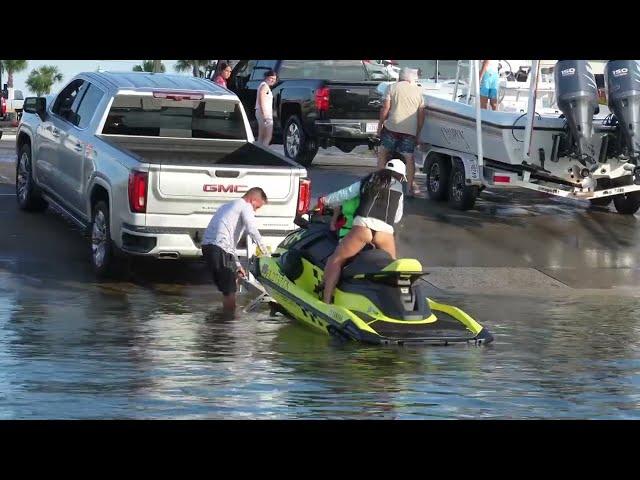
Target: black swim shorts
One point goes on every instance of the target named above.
(223, 268)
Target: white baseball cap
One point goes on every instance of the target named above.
(398, 166)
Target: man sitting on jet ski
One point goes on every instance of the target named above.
(380, 207)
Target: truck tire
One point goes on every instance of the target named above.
(437, 169)
(461, 196)
(27, 192)
(628, 203)
(102, 251)
(297, 145)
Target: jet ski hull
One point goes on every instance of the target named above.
(360, 311)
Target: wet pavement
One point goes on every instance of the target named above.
(555, 282)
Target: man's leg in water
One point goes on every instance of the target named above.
(229, 302)
(350, 245)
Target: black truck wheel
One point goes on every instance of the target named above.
(298, 146)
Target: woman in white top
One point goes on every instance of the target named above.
(264, 108)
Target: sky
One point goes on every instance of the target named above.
(69, 68)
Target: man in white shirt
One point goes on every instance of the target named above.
(221, 237)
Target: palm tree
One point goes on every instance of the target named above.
(41, 80)
(147, 66)
(13, 66)
(194, 65)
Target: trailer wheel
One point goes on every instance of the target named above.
(628, 203)
(438, 170)
(601, 183)
(461, 195)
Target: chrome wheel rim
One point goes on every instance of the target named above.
(99, 239)
(293, 140)
(22, 181)
(458, 186)
(434, 177)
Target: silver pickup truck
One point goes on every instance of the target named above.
(144, 160)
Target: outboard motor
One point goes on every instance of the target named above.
(577, 95)
(622, 79)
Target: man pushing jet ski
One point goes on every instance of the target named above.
(221, 237)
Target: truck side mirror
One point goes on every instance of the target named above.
(37, 105)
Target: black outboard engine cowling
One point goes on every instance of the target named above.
(622, 79)
(577, 95)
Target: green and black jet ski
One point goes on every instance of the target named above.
(377, 300)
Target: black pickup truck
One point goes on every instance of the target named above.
(317, 103)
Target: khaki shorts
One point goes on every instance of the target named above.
(373, 224)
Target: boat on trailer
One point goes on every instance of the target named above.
(579, 153)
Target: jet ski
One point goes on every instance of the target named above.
(378, 300)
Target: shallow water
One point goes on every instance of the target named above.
(73, 349)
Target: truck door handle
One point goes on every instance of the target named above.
(227, 173)
(78, 147)
(55, 132)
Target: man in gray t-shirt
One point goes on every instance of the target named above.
(221, 237)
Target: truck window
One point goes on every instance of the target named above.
(88, 103)
(261, 67)
(160, 117)
(64, 100)
(242, 72)
(337, 70)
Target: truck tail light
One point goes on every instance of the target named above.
(138, 192)
(304, 196)
(322, 99)
(3, 105)
(178, 95)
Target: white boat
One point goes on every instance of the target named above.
(582, 155)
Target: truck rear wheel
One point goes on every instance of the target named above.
(438, 172)
(27, 192)
(627, 204)
(102, 252)
(297, 145)
(461, 195)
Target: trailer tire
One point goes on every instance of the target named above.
(438, 170)
(628, 203)
(601, 183)
(461, 195)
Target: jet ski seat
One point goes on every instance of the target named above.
(377, 261)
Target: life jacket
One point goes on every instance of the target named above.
(383, 204)
(349, 208)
